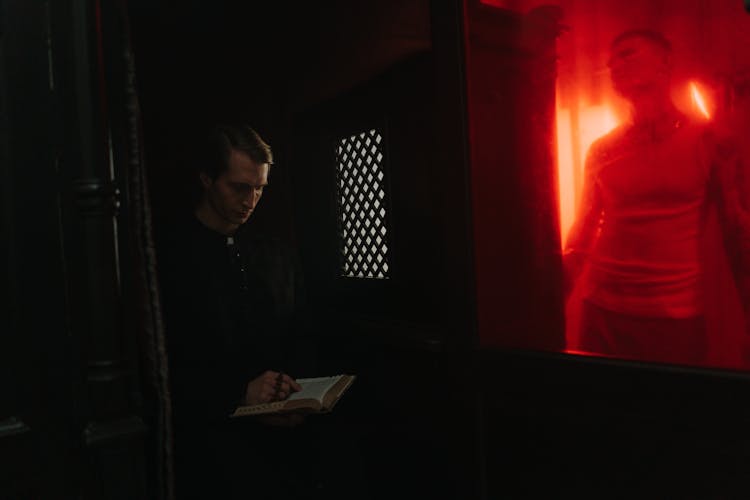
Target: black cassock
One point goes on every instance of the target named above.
(233, 308)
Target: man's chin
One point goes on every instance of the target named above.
(237, 219)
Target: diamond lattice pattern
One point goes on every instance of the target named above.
(362, 213)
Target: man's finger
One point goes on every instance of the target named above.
(292, 383)
(287, 388)
(268, 394)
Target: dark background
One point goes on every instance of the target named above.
(438, 415)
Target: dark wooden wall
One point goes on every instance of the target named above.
(302, 86)
(432, 411)
(401, 335)
(72, 423)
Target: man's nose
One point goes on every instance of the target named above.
(251, 199)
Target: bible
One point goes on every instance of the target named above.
(318, 395)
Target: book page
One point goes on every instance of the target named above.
(314, 388)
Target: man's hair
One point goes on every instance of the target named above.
(654, 37)
(212, 155)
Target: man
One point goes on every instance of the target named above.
(233, 308)
(643, 231)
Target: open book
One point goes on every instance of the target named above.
(318, 395)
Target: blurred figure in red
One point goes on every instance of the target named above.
(640, 245)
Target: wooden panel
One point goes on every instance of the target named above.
(570, 426)
(404, 337)
(510, 72)
(69, 363)
(36, 341)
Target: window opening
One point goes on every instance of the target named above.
(362, 211)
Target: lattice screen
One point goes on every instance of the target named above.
(362, 214)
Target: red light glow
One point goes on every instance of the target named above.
(577, 129)
(578, 126)
(699, 101)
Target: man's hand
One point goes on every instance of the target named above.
(270, 386)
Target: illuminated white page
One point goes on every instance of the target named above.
(314, 388)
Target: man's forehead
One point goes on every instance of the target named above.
(239, 161)
(251, 176)
(247, 173)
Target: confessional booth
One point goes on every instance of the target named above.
(433, 160)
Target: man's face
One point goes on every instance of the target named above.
(638, 66)
(235, 193)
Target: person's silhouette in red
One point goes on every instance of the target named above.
(641, 233)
